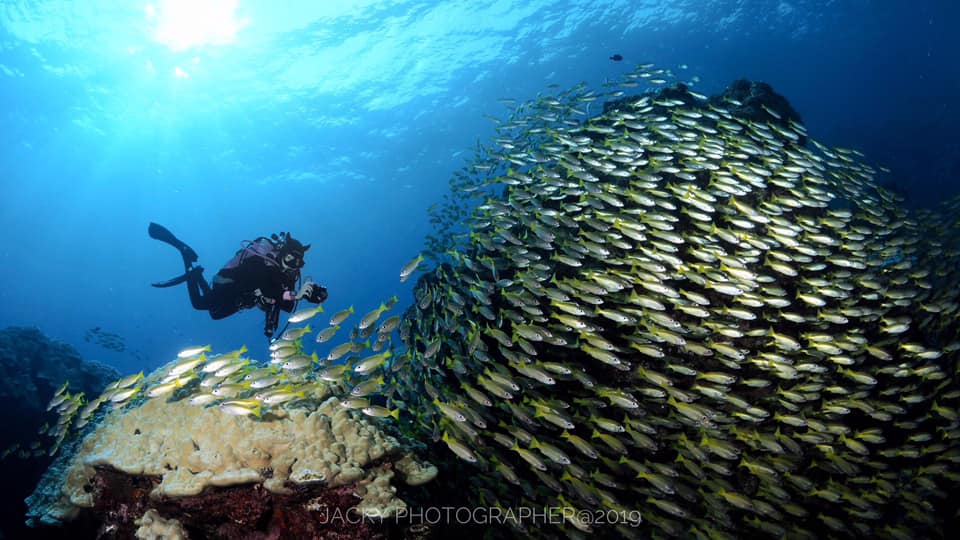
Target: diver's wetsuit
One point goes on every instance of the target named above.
(244, 282)
(236, 288)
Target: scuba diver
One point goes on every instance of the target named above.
(263, 273)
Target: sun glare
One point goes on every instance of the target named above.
(183, 24)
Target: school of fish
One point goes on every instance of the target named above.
(240, 385)
(663, 312)
(672, 312)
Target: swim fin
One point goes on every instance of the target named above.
(171, 282)
(195, 271)
(161, 233)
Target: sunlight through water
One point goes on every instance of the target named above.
(184, 24)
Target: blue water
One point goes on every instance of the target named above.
(341, 122)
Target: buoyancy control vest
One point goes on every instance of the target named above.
(263, 248)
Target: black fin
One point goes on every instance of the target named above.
(161, 233)
(172, 281)
(193, 272)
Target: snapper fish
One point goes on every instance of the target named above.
(121, 396)
(371, 363)
(340, 316)
(187, 364)
(305, 314)
(378, 411)
(192, 351)
(242, 407)
(371, 317)
(409, 268)
(327, 333)
(296, 333)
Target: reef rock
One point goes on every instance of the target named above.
(757, 101)
(308, 470)
(32, 367)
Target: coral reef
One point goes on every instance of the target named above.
(32, 366)
(224, 476)
(153, 526)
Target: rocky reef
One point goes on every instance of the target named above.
(32, 366)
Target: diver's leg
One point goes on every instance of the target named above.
(198, 288)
